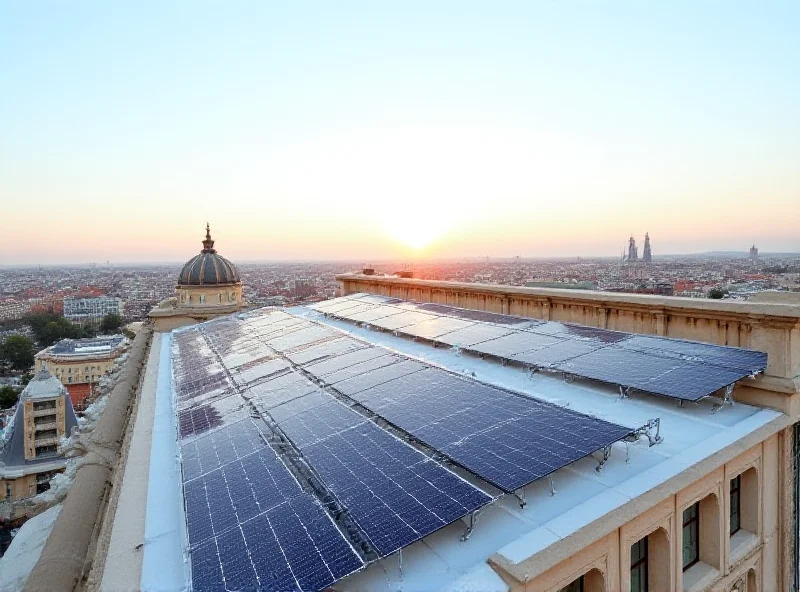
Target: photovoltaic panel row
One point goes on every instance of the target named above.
(670, 367)
(250, 524)
(505, 439)
(394, 493)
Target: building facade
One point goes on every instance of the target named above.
(208, 286)
(728, 522)
(31, 447)
(80, 363)
(83, 310)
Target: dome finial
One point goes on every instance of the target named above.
(208, 244)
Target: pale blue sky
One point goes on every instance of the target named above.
(345, 129)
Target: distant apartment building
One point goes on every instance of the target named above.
(92, 309)
(11, 309)
(80, 363)
(30, 451)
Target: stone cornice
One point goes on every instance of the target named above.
(779, 314)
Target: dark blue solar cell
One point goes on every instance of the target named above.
(206, 568)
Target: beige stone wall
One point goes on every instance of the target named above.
(85, 370)
(767, 326)
(21, 488)
(752, 555)
(206, 296)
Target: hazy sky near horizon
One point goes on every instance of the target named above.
(367, 130)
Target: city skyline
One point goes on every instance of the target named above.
(310, 132)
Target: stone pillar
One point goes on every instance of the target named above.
(602, 318)
(661, 324)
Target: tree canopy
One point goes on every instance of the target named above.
(16, 352)
(8, 396)
(49, 328)
(716, 293)
(111, 323)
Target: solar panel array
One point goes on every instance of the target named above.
(250, 523)
(337, 492)
(671, 367)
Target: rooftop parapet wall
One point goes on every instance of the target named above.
(770, 327)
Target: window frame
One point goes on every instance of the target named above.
(693, 522)
(642, 561)
(735, 488)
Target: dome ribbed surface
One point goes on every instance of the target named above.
(208, 269)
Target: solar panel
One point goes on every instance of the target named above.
(589, 352)
(403, 319)
(515, 343)
(394, 493)
(505, 439)
(304, 336)
(373, 314)
(473, 334)
(336, 363)
(742, 359)
(479, 315)
(663, 376)
(325, 350)
(250, 524)
(362, 382)
(433, 328)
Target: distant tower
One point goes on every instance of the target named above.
(633, 252)
(754, 253)
(647, 256)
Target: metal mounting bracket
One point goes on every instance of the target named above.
(473, 520)
(569, 378)
(606, 455)
(520, 495)
(624, 392)
(727, 399)
(552, 486)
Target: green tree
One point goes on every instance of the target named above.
(111, 323)
(716, 293)
(8, 396)
(17, 352)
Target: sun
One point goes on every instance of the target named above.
(415, 231)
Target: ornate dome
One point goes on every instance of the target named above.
(208, 268)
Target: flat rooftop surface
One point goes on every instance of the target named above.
(577, 496)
